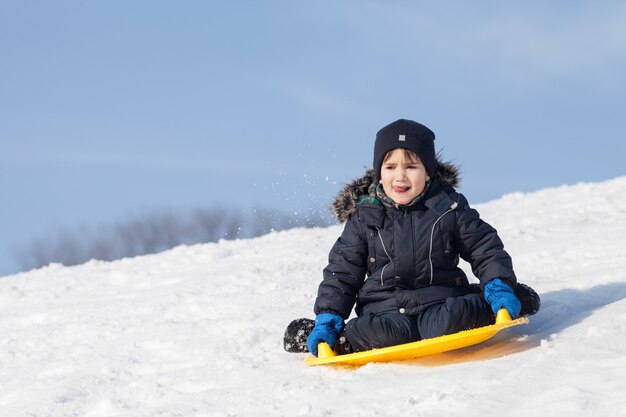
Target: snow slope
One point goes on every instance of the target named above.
(197, 331)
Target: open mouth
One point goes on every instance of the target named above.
(401, 188)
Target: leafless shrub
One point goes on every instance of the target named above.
(157, 232)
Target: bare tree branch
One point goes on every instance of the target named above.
(157, 232)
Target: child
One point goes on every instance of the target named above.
(397, 259)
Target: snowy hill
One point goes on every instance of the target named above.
(197, 331)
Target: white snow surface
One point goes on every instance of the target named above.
(197, 330)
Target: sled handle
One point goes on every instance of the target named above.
(503, 316)
(324, 351)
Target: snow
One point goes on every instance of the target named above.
(197, 330)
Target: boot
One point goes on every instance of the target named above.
(296, 334)
(529, 298)
(298, 331)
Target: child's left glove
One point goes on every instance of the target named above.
(500, 295)
(327, 329)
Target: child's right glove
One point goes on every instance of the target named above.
(500, 295)
(327, 329)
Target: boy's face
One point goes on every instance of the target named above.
(403, 177)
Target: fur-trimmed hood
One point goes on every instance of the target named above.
(345, 202)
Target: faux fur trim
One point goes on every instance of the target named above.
(345, 202)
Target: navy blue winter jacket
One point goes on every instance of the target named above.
(405, 260)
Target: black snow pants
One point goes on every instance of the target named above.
(375, 331)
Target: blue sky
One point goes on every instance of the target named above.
(116, 108)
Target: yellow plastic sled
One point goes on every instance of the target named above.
(416, 349)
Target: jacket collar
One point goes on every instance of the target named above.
(447, 176)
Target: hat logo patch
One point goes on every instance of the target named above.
(402, 138)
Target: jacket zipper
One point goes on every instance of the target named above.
(432, 233)
(382, 273)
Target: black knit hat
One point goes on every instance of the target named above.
(409, 135)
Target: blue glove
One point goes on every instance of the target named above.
(327, 329)
(498, 294)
